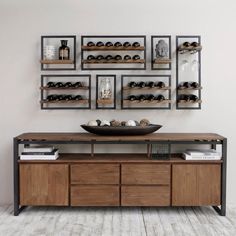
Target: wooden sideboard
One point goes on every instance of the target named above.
(119, 179)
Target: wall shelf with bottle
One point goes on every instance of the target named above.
(105, 91)
(161, 52)
(188, 72)
(145, 92)
(58, 52)
(65, 92)
(132, 52)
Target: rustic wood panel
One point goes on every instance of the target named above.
(95, 174)
(145, 174)
(95, 195)
(196, 185)
(145, 195)
(44, 184)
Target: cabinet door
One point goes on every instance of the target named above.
(196, 184)
(44, 184)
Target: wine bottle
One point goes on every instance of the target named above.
(77, 97)
(68, 85)
(126, 44)
(142, 98)
(132, 98)
(51, 97)
(127, 57)
(160, 98)
(194, 44)
(186, 85)
(64, 51)
(136, 44)
(50, 84)
(141, 84)
(67, 97)
(194, 85)
(184, 97)
(150, 84)
(186, 44)
(181, 97)
(150, 97)
(136, 57)
(193, 98)
(59, 85)
(90, 44)
(160, 84)
(109, 44)
(132, 84)
(77, 85)
(90, 57)
(118, 57)
(109, 57)
(61, 97)
(117, 44)
(99, 44)
(100, 57)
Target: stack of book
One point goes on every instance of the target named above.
(39, 153)
(201, 154)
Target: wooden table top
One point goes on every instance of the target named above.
(87, 137)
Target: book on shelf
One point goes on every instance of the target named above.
(38, 149)
(201, 154)
(40, 156)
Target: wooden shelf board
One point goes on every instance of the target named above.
(146, 101)
(189, 102)
(141, 61)
(104, 101)
(57, 62)
(79, 88)
(145, 88)
(113, 48)
(183, 88)
(84, 101)
(162, 61)
(191, 48)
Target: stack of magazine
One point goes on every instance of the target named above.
(201, 154)
(39, 153)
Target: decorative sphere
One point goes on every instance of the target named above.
(105, 123)
(92, 123)
(144, 122)
(130, 123)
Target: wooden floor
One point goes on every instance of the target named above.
(58, 221)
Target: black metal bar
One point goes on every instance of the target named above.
(223, 177)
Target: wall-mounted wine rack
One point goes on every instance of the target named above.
(56, 64)
(151, 94)
(93, 51)
(161, 54)
(76, 95)
(106, 103)
(188, 72)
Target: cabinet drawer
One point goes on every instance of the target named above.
(145, 196)
(95, 174)
(95, 195)
(145, 174)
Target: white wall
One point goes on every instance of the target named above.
(23, 22)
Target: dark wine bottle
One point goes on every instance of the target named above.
(100, 57)
(127, 57)
(109, 44)
(51, 97)
(194, 44)
(117, 44)
(136, 57)
(150, 84)
(141, 84)
(61, 97)
(160, 98)
(77, 84)
(68, 85)
(142, 98)
(64, 51)
(68, 97)
(90, 57)
(181, 97)
(90, 44)
(194, 85)
(185, 97)
(132, 98)
(150, 97)
(59, 85)
(193, 98)
(50, 84)
(77, 97)
(132, 84)
(160, 84)
(126, 44)
(136, 44)
(186, 85)
(118, 57)
(109, 57)
(186, 44)
(99, 44)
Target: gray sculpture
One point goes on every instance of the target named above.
(162, 49)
